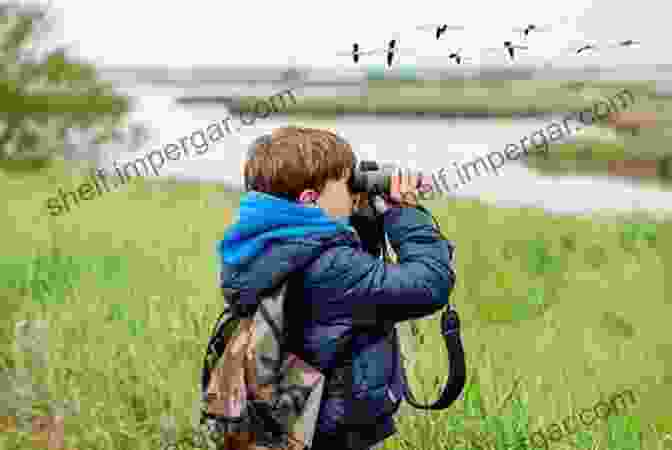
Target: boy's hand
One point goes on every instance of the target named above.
(403, 191)
(404, 188)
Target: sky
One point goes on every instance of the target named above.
(311, 33)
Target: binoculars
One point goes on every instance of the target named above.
(376, 179)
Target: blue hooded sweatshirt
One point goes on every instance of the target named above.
(342, 291)
(264, 219)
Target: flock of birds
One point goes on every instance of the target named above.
(439, 30)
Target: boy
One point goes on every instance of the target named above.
(345, 298)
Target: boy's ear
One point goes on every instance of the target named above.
(308, 196)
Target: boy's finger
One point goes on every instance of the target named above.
(403, 180)
(415, 180)
(395, 188)
(409, 177)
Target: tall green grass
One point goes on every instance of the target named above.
(557, 313)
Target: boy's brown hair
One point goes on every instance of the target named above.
(295, 159)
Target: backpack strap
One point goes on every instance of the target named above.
(450, 329)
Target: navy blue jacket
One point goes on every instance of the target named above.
(341, 290)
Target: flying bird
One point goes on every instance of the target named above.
(585, 48)
(390, 51)
(457, 57)
(391, 48)
(531, 27)
(576, 48)
(439, 30)
(356, 52)
(628, 43)
(510, 48)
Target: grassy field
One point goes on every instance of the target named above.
(127, 284)
(459, 97)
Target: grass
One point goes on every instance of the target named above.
(458, 97)
(557, 312)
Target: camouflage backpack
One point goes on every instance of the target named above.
(256, 395)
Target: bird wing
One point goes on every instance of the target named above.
(396, 51)
(428, 27)
(621, 44)
(542, 28)
(362, 52)
(375, 51)
(585, 49)
(575, 46)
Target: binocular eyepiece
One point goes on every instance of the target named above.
(375, 179)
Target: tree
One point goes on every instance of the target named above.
(42, 97)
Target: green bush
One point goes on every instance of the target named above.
(44, 96)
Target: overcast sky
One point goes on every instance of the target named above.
(216, 32)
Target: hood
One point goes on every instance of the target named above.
(272, 236)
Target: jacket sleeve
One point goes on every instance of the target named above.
(374, 291)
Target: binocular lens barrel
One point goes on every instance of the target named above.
(369, 177)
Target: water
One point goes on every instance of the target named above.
(427, 144)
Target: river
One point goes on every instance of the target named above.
(422, 143)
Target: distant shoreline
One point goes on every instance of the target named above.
(235, 107)
(443, 99)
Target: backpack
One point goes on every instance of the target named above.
(257, 395)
